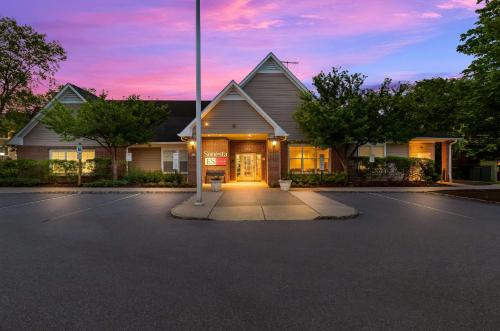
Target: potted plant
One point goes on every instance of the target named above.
(216, 183)
(285, 184)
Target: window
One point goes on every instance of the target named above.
(307, 159)
(70, 155)
(168, 160)
(377, 150)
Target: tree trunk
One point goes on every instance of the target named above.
(114, 164)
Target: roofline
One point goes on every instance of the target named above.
(19, 136)
(287, 72)
(278, 131)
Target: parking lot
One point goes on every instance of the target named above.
(120, 261)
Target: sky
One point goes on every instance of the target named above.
(147, 47)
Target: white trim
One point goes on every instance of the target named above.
(286, 71)
(278, 131)
(18, 138)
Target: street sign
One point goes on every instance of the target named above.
(322, 162)
(79, 150)
(372, 158)
(128, 157)
(175, 161)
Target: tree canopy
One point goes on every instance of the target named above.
(344, 115)
(27, 60)
(112, 124)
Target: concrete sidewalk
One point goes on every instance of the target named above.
(264, 205)
(7, 190)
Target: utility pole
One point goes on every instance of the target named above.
(199, 182)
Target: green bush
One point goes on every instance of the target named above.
(106, 183)
(316, 179)
(138, 176)
(24, 169)
(100, 167)
(395, 168)
(19, 181)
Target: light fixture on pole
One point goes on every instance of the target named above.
(198, 200)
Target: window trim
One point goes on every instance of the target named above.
(327, 170)
(177, 150)
(374, 145)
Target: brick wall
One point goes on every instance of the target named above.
(208, 145)
(274, 162)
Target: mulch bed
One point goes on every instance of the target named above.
(486, 195)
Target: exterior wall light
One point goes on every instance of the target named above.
(206, 123)
(274, 143)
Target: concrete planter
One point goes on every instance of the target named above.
(285, 184)
(216, 184)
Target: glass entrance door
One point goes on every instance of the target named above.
(248, 167)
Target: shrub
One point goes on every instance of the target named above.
(24, 169)
(138, 176)
(316, 179)
(100, 167)
(394, 168)
(19, 181)
(106, 183)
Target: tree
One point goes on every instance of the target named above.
(112, 124)
(27, 60)
(344, 116)
(480, 106)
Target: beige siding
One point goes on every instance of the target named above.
(146, 158)
(40, 135)
(397, 150)
(279, 98)
(69, 97)
(235, 116)
(422, 150)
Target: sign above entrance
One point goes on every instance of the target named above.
(215, 158)
(215, 161)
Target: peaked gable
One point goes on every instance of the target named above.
(68, 95)
(230, 94)
(272, 65)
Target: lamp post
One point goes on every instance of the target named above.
(198, 200)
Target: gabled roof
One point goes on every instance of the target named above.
(282, 68)
(229, 91)
(18, 137)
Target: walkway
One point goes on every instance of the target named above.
(263, 204)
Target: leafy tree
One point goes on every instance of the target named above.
(27, 59)
(344, 116)
(112, 124)
(480, 106)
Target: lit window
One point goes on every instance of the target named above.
(168, 161)
(71, 155)
(307, 159)
(377, 150)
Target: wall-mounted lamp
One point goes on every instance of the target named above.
(274, 144)
(206, 123)
(192, 143)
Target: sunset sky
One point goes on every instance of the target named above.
(147, 47)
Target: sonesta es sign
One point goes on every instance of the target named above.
(215, 158)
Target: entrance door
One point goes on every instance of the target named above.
(248, 167)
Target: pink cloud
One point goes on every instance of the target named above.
(147, 46)
(454, 4)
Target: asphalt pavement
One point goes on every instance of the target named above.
(119, 261)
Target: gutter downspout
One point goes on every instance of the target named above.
(450, 178)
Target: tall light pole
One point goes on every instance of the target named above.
(199, 182)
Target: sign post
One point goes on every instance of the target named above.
(198, 200)
(79, 151)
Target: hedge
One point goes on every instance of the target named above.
(315, 179)
(394, 168)
(138, 176)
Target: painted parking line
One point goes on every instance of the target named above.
(79, 211)
(420, 205)
(37, 201)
